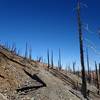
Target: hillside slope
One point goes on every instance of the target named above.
(22, 79)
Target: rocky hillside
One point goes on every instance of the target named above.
(22, 79)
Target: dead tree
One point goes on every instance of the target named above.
(39, 59)
(18, 52)
(88, 66)
(59, 60)
(90, 73)
(69, 69)
(6, 45)
(97, 81)
(93, 77)
(26, 52)
(87, 61)
(66, 69)
(13, 46)
(99, 74)
(99, 71)
(13, 50)
(52, 59)
(78, 72)
(48, 58)
(30, 53)
(84, 86)
(74, 67)
(9, 47)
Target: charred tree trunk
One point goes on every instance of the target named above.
(89, 78)
(59, 61)
(97, 81)
(99, 71)
(74, 67)
(78, 72)
(26, 53)
(52, 59)
(88, 61)
(99, 75)
(84, 86)
(69, 69)
(66, 68)
(90, 74)
(13, 50)
(30, 53)
(48, 58)
(18, 53)
(93, 78)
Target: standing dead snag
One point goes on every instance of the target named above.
(89, 77)
(26, 53)
(39, 59)
(93, 77)
(30, 53)
(18, 52)
(84, 86)
(6, 46)
(69, 69)
(74, 67)
(66, 68)
(97, 81)
(59, 60)
(13, 50)
(99, 71)
(78, 72)
(52, 59)
(48, 58)
(99, 75)
(90, 74)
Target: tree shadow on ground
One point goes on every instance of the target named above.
(29, 88)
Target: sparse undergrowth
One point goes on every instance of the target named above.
(22, 79)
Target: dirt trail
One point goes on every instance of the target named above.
(55, 89)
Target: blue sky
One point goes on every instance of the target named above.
(49, 24)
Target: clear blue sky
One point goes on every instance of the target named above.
(49, 24)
